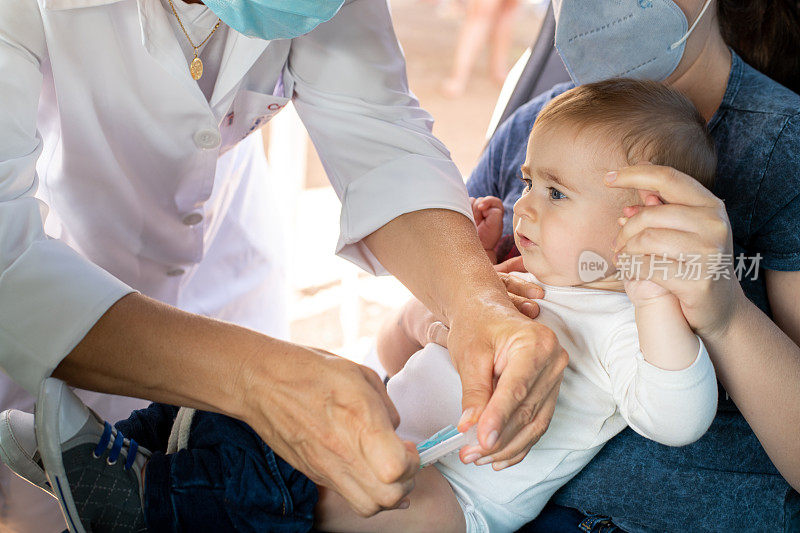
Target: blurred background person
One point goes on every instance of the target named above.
(486, 20)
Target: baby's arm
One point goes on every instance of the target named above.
(665, 337)
(662, 377)
(404, 334)
(433, 507)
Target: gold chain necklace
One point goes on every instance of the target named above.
(196, 66)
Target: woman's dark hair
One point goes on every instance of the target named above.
(766, 34)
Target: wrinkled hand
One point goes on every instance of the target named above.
(522, 293)
(422, 326)
(680, 219)
(488, 214)
(511, 369)
(332, 420)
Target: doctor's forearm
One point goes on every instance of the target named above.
(326, 416)
(146, 349)
(437, 255)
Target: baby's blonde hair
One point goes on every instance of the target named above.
(647, 120)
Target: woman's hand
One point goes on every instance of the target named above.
(332, 419)
(753, 359)
(522, 293)
(512, 398)
(535, 351)
(421, 326)
(509, 365)
(328, 417)
(681, 240)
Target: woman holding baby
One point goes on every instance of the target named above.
(742, 473)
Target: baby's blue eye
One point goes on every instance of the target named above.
(555, 194)
(528, 183)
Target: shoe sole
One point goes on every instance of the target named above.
(48, 407)
(13, 459)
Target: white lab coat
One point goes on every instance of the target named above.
(146, 185)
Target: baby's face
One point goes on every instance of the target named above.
(566, 209)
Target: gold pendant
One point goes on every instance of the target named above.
(196, 68)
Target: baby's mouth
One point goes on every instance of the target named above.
(524, 241)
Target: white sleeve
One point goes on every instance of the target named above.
(673, 407)
(50, 296)
(350, 89)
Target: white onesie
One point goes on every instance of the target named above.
(607, 385)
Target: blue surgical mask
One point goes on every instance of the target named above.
(274, 19)
(601, 39)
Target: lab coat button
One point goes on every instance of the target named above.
(207, 139)
(192, 219)
(175, 272)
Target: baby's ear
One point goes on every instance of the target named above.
(644, 194)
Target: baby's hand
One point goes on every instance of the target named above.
(488, 214)
(644, 291)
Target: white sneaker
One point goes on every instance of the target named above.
(18, 448)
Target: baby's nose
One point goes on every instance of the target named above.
(525, 208)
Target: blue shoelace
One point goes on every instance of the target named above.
(116, 448)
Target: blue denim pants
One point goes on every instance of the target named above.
(558, 519)
(227, 479)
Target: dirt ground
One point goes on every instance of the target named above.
(343, 312)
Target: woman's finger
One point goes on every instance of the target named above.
(531, 432)
(666, 243)
(673, 216)
(515, 264)
(673, 186)
(525, 306)
(520, 287)
(527, 425)
(380, 389)
(517, 400)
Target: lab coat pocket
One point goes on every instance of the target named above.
(250, 111)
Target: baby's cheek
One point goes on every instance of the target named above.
(564, 245)
(590, 235)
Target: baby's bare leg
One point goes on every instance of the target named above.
(433, 508)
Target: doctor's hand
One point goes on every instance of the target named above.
(421, 327)
(511, 369)
(332, 420)
(522, 293)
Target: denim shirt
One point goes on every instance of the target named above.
(724, 481)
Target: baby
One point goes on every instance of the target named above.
(634, 360)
